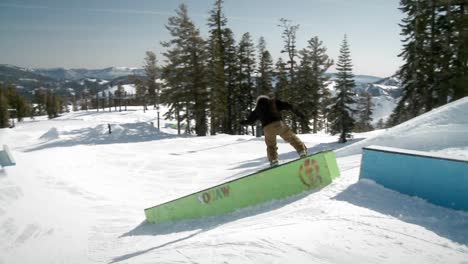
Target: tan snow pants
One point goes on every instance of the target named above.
(283, 130)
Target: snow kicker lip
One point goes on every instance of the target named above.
(312, 172)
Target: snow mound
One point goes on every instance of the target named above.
(51, 134)
(441, 128)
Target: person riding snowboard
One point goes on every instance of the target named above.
(267, 110)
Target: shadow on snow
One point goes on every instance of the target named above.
(239, 141)
(201, 225)
(121, 133)
(445, 222)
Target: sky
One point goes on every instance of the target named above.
(104, 33)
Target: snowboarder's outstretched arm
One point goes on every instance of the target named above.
(250, 119)
(281, 105)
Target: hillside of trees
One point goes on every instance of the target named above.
(211, 84)
(435, 55)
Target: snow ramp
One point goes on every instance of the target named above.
(438, 179)
(309, 173)
(442, 128)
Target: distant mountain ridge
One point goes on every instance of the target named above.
(386, 92)
(390, 86)
(65, 81)
(22, 77)
(11, 72)
(81, 73)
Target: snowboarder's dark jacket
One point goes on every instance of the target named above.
(268, 111)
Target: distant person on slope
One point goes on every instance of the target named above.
(267, 110)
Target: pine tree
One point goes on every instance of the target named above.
(53, 104)
(282, 89)
(4, 106)
(411, 74)
(219, 95)
(265, 69)
(17, 102)
(198, 79)
(110, 99)
(231, 60)
(247, 91)
(264, 75)
(119, 94)
(326, 101)
(341, 113)
(151, 72)
(312, 83)
(435, 55)
(459, 79)
(289, 38)
(83, 102)
(186, 89)
(40, 98)
(365, 108)
(141, 91)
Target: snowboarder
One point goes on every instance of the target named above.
(267, 110)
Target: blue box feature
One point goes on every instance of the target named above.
(437, 179)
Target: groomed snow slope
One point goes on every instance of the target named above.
(77, 195)
(439, 129)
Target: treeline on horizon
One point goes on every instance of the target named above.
(211, 84)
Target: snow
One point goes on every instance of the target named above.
(387, 87)
(415, 153)
(442, 128)
(77, 195)
(129, 88)
(384, 103)
(383, 107)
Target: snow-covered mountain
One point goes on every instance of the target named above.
(129, 88)
(22, 77)
(77, 74)
(390, 86)
(385, 93)
(65, 82)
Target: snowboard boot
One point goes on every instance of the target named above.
(273, 163)
(303, 154)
